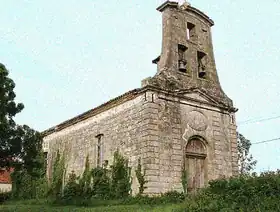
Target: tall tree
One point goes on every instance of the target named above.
(246, 162)
(20, 146)
(9, 141)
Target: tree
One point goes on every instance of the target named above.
(9, 141)
(31, 156)
(121, 176)
(246, 162)
(20, 146)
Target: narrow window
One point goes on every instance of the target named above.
(232, 119)
(182, 63)
(190, 31)
(201, 61)
(98, 153)
(46, 158)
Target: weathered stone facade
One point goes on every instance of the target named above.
(179, 118)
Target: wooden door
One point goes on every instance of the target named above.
(195, 164)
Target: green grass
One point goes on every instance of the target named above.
(33, 206)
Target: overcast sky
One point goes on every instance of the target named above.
(69, 56)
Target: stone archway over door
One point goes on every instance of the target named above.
(195, 164)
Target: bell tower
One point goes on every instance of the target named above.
(187, 58)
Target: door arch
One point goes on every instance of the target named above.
(196, 164)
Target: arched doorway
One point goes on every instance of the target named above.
(196, 163)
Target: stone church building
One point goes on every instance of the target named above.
(179, 117)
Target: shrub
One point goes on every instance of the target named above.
(101, 183)
(4, 196)
(140, 177)
(57, 180)
(85, 181)
(26, 186)
(244, 193)
(98, 183)
(121, 177)
(72, 189)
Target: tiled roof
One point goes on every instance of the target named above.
(5, 176)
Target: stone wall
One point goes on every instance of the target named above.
(155, 127)
(124, 127)
(175, 122)
(5, 187)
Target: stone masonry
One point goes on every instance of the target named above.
(180, 118)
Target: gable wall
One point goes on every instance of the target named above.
(176, 122)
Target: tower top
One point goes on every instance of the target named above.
(186, 6)
(187, 58)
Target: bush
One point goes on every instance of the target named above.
(5, 196)
(101, 183)
(72, 189)
(171, 197)
(26, 186)
(121, 177)
(244, 193)
(57, 179)
(98, 183)
(141, 177)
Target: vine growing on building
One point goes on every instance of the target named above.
(140, 177)
(57, 179)
(184, 177)
(85, 180)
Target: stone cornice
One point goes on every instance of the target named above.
(90, 113)
(179, 94)
(166, 4)
(201, 14)
(126, 97)
(189, 8)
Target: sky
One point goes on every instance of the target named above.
(69, 56)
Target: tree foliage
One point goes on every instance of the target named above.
(246, 162)
(99, 183)
(20, 146)
(9, 140)
(121, 176)
(57, 176)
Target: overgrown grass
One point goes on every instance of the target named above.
(24, 207)
(242, 194)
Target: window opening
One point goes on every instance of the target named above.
(201, 60)
(182, 63)
(190, 31)
(98, 157)
(46, 158)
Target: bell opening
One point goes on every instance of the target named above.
(182, 66)
(202, 74)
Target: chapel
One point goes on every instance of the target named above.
(179, 119)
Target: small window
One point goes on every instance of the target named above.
(98, 152)
(232, 119)
(190, 31)
(201, 61)
(182, 63)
